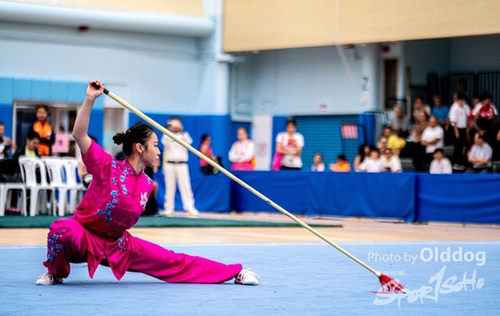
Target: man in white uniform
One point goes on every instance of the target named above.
(176, 170)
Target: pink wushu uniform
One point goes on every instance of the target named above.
(97, 232)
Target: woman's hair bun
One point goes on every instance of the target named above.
(119, 138)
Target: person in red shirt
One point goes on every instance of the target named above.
(43, 128)
(485, 109)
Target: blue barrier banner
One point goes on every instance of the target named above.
(465, 198)
(289, 189)
(382, 195)
(211, 193)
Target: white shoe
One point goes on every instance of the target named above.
(193, 213)
(247, 277)
(48, 279)
(166, 213)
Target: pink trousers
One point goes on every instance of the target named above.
(69, 242)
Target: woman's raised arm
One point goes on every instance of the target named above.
(82, 119)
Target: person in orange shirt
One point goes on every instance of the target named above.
(341, 166)
(43, 128)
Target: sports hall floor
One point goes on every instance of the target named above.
(299, 275)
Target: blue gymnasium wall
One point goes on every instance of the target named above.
(12, 89)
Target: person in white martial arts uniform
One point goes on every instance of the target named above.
(176, 170)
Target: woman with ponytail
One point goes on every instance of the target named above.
(97, 233)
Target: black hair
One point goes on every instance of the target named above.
(43, 106)
(172, 118)
(318, 153)
(439, 150)
(485, 96)
(93, 138)
(32, 135)
(461, 96)
(341, 157)
(293, 122)
(137, 134)
(2, 123)
(204, 137)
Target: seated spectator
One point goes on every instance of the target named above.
(242, 153)
(421, 123)
(399, 123)
(440, 164)
(440, 111)
(5, 143)
(341, 165)
(480, 155)
(459, 113)
(364, 151)
(432, 139)
(390, 162)
(318, 164)
(394, 142)
(372, 163)
(382, 143)
(485, 110)
(419, 106)
(31, 148)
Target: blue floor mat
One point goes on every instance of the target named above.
(296, 279)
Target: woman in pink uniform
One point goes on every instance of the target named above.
(97, 232)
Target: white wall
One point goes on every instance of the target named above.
(157, 73)
(295, 81)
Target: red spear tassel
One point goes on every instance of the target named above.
(389, 285)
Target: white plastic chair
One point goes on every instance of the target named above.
(28, 170)
(55, 168)
(74, 186)
(7, 187)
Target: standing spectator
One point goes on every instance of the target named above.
(318, 164)
(440, 111)
(480, 155)
(390, 162)
(364, 151)
(176, 169)
(440, 164)
(31, 148)
(432, 139)
(341, 165)
(459, 114)
(206, 149)
(290, 144)
(242, 153)
(5, 143)
(372, 163)
(399, 123)
(43, 128)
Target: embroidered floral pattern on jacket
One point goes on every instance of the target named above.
(122, 243)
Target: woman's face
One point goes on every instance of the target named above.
(242, 134)
(291, 128)
(366, 150)
(151, 154)
(41, 114)
(318, 159)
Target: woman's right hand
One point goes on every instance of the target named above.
(92, 92)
